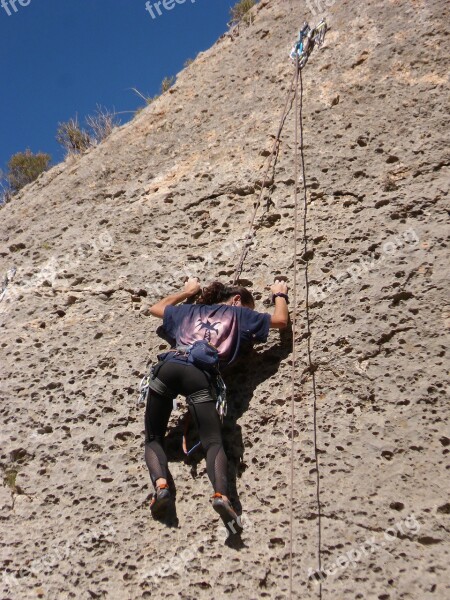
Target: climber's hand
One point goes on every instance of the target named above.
(279, 287)
(145, 311)
(192, 286)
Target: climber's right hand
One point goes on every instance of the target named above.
(279, 287)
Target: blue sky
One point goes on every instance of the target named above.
(59, 58)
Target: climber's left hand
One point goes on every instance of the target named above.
(192, 286)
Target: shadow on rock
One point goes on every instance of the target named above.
(242, 379)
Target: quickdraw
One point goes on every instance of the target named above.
(307, 39)
(144, 388)
(221, 403)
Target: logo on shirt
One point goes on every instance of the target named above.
(208, 327)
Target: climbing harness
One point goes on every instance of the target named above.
(204, 356)
(149, 382)
(307, 39)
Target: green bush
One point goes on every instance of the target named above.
(25, 167)
(9, 478)
(240, 12)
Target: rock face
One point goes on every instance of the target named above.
(170, 193)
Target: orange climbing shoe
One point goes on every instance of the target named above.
(227, 513)
(161, 501)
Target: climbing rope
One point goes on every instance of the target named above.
(308, 39)
(311, 366)
(294, 333)
(273, 157)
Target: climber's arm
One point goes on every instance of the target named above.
(191, 287)
(157, 310)
(280, 317)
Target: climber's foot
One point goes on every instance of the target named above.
(230, 519)
(161, 501)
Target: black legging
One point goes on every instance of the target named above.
(184, 378)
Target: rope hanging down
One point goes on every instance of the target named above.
(311, 367)
(307, 40)
(299, 145)
(300, 53)
(294, 335)
(273, 155)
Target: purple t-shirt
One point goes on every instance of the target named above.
(228, 328)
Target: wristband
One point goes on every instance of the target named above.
(280, 295)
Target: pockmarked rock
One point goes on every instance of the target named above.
(97, 239)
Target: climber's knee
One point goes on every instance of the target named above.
(154, 438)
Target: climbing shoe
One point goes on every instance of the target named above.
(161, 501)
(227, 513)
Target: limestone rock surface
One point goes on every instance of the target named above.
(97, 238)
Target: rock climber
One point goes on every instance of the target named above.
(222, 320)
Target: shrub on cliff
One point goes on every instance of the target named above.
(240, 12)
(166, 84)
(72, 137)
(101, 124)
(23, 168)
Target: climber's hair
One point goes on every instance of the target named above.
(217, 292)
